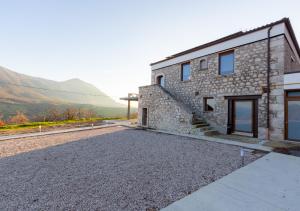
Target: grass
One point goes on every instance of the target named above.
(48, 124)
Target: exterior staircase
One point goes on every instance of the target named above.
(201, 127)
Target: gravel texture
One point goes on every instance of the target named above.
(124, 169)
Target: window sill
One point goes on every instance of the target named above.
(207, 111)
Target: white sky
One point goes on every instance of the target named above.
(111, 43)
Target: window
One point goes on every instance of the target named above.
(203, 64)
(160, 80)
(209, 103)
(185, 72)
(226, 63)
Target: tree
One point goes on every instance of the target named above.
(54, 114)
(70, 113)
(19, 118)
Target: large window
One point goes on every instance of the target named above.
(185, 72)
(209, 103)
(226, 63)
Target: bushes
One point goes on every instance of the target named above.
(2, 123)
(19, 118)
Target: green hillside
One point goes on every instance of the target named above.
(21, 88)
(35, 96)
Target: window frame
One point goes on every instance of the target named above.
(205, 105)
(232, 51)
(206, 67)
(181, 71)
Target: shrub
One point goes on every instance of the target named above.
(2, 123)
(19, 118)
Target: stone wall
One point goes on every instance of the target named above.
(249, 78)
(290, 62)
(164, 112)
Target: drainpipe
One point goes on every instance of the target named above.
(268, 81)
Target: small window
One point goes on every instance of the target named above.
(226, 63)
(209, 103)
(203, 64)
(185, 72)
(160, 80)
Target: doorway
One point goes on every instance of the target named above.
(292, 115)
(242, 116)
(145, 117)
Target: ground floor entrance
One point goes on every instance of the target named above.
(242, 115)
(292, 115)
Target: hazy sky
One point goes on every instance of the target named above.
(111, 43)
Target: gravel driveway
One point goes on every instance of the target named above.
(122, 170)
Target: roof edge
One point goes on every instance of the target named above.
(285, 20)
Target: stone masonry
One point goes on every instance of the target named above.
(249, 78)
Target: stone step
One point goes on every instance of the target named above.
(210, 133)
(206, 128)
(200, 125)
(198, 122)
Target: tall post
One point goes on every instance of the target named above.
(128, 109)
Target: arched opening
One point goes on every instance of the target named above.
(203, 64)
(160, 80)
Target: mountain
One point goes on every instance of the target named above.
(20, 88)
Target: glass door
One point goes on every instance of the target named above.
(293, 115)
(243, 116)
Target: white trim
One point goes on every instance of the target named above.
(242, 40)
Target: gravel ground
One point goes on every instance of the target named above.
(16, 146)
(124, 169)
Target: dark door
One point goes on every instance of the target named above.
(242, 116)
(292, 115)
(145, 117)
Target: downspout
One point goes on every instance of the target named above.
(268, 81)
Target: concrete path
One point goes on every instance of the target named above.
(3, 138)
(220, 140)
(270, 183)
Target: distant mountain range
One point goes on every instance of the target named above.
(19, 91)
(16, 87)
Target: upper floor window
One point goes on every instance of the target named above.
(203, 64)
(160, 80)
(226, 63)
(185, 71)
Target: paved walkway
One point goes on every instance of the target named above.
(3, 138)
(270, 183)
(220, 140)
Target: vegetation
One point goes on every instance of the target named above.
(53, 117)
(47, 124)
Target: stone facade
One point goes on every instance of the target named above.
(165, 112)
(249, 78)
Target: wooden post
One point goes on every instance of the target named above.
(128, 109)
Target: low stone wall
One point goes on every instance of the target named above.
(164, 112)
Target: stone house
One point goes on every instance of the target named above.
(247, 83)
